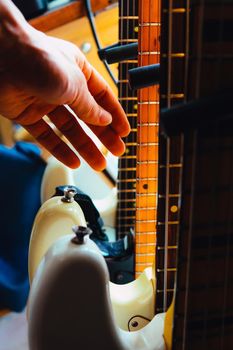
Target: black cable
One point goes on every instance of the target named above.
(90, 17)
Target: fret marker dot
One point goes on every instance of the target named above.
(136, 29)
(174, 208)
(127, 151)
(145, 186)
(135, 107)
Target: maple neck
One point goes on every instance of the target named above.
(126, 181)
(147, 139)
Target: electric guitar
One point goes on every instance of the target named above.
(117, 208)
(132, 304)
(194, 239)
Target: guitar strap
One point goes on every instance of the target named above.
(115, 249)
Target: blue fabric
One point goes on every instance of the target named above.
(21, 171)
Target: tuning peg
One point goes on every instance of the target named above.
(145, 76)
(116, 53)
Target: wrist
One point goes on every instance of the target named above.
(13, 26)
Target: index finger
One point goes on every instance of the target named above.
(104, 96)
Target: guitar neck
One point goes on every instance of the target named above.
(147, 139)
(126, 181)
(172, 92)
(196, 246)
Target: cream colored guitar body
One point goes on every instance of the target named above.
(72, 304)
(57, 174)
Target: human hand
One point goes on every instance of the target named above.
(42, 75)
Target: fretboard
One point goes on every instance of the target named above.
(203, 234)
(126, 181)
(147, 139)
(173, 91)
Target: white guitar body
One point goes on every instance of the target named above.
(87, 180)
(72, 304)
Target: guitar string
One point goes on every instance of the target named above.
(139, 95)
(187, 33)
(166, 232)
(200, 59)
(157, 87)
(229, 226)
(120, 95)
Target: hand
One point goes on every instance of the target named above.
(42, 75)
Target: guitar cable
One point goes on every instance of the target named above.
(90, 16)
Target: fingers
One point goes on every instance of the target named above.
(68, 124)
(105, 98)
(109, 139)
(87, 108)
(48, 139)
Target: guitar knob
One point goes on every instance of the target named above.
(69, 193)
(80, 232)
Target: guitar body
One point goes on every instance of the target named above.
(70, 305)
(100, 213)
(57, 174)
(53, 221)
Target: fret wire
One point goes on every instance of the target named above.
(171, 95)
(146, 244)
(128, 17)
(130, 61)
(148, 124)
(147, 162)
(142, 53)
(169, 269)
(146, 208)
(127, 98)
(168, 247)
(174, 54)
(145, 233)
(143, 144)
(144, 179)
(149, 24)
(175, 165)
(146, 194)
(148, 103)
(127, 180)
(127, 169)
(128, 40)
(170, 290)
(144, 254)
(168, 223)
(176, 10)
(128, 157)
(143, 221)
(175, 195)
